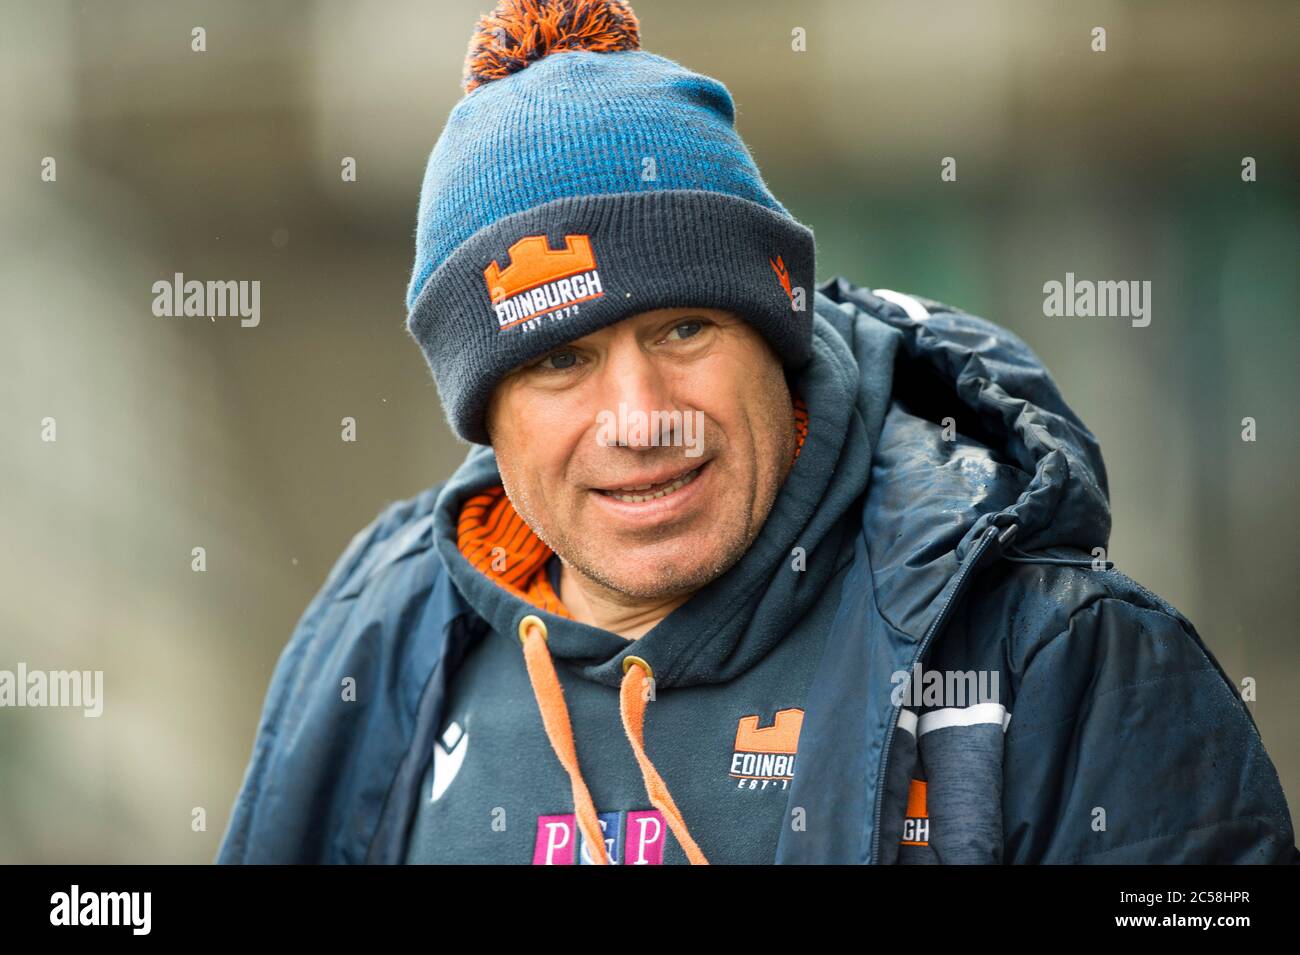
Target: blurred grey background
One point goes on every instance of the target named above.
(176, 433)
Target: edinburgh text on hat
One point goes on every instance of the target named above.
(543, 281)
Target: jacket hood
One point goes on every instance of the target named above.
(977, 436)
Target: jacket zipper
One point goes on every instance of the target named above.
(967, 570)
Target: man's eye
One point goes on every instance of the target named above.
(558, 361)
(687, 329)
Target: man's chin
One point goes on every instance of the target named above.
(655, 572)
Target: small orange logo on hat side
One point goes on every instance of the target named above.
(782, 274)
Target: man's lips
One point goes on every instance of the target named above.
(649, 482)
(653, 500)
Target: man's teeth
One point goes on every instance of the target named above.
(628, 493)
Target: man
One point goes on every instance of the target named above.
(740, 570)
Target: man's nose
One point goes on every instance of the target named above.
(634, 388)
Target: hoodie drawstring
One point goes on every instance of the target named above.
(559, 730)
(631, 705)
(555, 717)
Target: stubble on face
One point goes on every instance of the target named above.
(753, 451)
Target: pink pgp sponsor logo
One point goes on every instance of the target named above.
(634, 837)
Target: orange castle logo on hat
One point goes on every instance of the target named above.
(543, 281)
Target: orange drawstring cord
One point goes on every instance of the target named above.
(631, 704)
(559, 730)
(555, 717)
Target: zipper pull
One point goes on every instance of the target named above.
(993, 545)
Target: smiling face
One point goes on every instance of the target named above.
(645, 504)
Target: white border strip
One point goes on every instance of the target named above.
(915, 310)
(975, 715)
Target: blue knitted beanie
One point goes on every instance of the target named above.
(578, 182)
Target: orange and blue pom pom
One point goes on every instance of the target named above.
(520, 32)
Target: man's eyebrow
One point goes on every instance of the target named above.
(539, 358)
(551, 351)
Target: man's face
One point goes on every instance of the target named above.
(581, 432)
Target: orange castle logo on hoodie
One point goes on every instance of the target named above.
(543, 281)
(764, 756)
